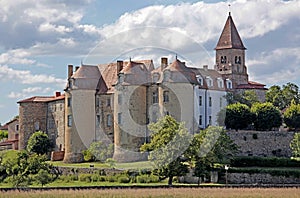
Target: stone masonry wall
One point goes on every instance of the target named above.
(263, 143)
(257, 178)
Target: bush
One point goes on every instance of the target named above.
(264, 162)
(39, 143)
(88, 156)
(111, 178)
(238, 116)
(102, 150)
(142, 179)
(85, 178)
(123, 179)
(295, 145)
(273, 172)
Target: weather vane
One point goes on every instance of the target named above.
(229, 8)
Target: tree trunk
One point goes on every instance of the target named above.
(170, 180)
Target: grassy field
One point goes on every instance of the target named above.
(133, 165)
(162, 192)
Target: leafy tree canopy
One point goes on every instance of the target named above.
(39, 143)
(291, 116)
(295, 145)
(238, 116)
(267, 116)
(169, 141)
(282, 97)
(247, 97)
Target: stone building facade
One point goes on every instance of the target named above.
(45, 114)
(115, 102)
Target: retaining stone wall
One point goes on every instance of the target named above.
(263, 143)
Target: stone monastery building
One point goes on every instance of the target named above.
(116, 101)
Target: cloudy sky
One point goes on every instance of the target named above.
(39, 38)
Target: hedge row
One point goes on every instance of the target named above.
(274, 172)
(264, 162)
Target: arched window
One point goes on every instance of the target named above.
(220, 83)
(166, 96)
(154, 97)
(228, 84)
(223, 59)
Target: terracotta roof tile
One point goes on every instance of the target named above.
(42, 99)
(230, 37)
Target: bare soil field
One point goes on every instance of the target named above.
(161, 192)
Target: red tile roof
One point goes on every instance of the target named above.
(252, 85)
(230, 38)
(42, 99)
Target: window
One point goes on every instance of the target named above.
(60, 107)
(37, 126)
(237, 60)
(108, 102)
(209, 81)
(17, 127)
(108, 121)
(119, 118)
(54, 107)
(69, 102)
(119, 99)
(221, 102)
(209, 120)
(200, 120)
(210, 101)
(166, 96)
(220, 83)
(154, 97)
(98, 120)
(97, 102)
(228, 84)
(199, 79)
(223, 59)
(200, 100)
(69, 120)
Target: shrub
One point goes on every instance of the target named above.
(123, 179)
(142, 179)
(39, 143)
(264, 162)
(85, 177)
(101, 178)
(88, 156)
(295, 145)
(111, 178)
(102, 150)
(291, 116)
(95, 177)
(238, 116)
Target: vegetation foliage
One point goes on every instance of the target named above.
(39, 143)
(238, 116)
(295, 145)
(3, 134)
(291, 116)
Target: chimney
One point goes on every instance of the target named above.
(119, 66)
(205, 67)
(70, 71)
(76, 68)
(164, 62)
(57, 94)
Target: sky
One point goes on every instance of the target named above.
(39, 38)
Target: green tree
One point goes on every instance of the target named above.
(248, 97)
(238, 116)
(209, 147)
(291, 116)
(43, 177)
(101, 150)
(295, 145)
(169, 141)
(267, 116)
(39, 143)
(3, 134)
(21, 168)
(282, 97)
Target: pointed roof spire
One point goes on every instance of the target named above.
(230, 38)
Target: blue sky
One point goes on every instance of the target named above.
(39, 38)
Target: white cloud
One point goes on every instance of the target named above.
(28, 92)
(26, 77)
(277, 66)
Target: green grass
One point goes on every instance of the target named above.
(135, 165)
(79, 165)
(126, 166)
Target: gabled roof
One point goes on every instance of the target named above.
(230, 38)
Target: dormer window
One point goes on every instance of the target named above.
(220, 83)
(155, 77)
(228, 84)
(223, 59)
(209, 81)
(199, 79)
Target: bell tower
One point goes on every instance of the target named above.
(230, 55)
